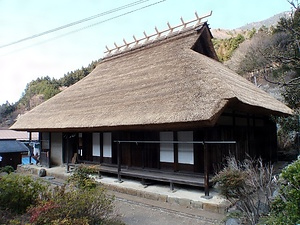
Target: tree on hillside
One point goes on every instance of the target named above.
(6, 110)
(225, 47)
(275, 56)
(286, 56)
(45, 86)
(72, 77)
(254, 59)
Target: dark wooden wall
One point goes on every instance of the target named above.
(255, 136)
(11, 159)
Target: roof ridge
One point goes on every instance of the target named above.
(149, 43)
(147, 39)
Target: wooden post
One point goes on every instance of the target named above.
(119, 162)
(67, 149)
(206, 170)
(30, 146)
(49, 152)
(101, 147)
(175, 146)
(142, 148)
(171, 186)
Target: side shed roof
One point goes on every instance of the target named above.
(12, 146)
(17, 135)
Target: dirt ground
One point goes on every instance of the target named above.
(136, 211)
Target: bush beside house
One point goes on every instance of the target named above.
(257, 196)
(24, 200)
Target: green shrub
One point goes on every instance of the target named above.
(88, 169)
(81, 177)
(75, 206)
(251, 33)
(7, 169)
(231, 182)
(285, 209)
(18, 192)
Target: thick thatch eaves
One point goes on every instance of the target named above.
(160, 84)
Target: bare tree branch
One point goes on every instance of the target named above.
(289, 83)
(292, 3)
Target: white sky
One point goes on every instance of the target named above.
(56, 54)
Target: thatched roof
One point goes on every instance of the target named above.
(162, 84)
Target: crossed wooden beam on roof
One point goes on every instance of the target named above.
(158, 33)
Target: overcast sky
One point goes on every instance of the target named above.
(68, 49)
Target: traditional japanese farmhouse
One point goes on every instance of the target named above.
(159, 108)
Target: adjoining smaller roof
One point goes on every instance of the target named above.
(17, 135)
(11, 146)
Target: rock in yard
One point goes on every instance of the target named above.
(42, 173)
(232, 221)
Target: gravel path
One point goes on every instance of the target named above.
(136, 211)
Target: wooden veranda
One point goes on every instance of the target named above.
(157, 175)
(192, 179)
